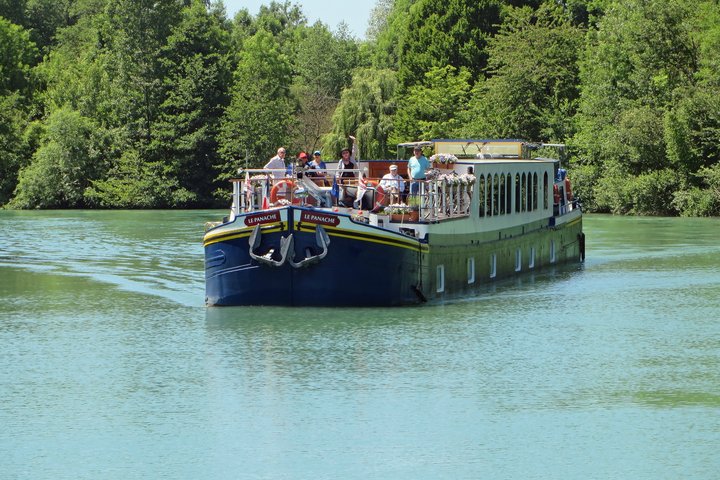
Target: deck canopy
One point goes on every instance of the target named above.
(479, 149)
(468, 148)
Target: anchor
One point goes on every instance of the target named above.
(287, 244)
(322, 240)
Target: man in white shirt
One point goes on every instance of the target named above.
(277, 164)
(393, 185)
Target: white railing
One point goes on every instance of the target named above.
(447, 196)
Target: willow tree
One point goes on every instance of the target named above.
(365, 111)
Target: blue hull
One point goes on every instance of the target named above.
(365, 265)
(361, 268)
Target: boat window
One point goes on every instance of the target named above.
(471, 270)
(481, 194)
(518, 199)
(488, 200)
(523, 193)
(535, 191)
(531, 260)
(528, 198)
(518, 260)
(493, 265)
(502, 194)
(508, 193)
(496, 194)
(545, 191)
(440, 280)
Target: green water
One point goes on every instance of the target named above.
(112, 368)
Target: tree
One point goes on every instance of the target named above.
(366, 111)
(135, 31)
(429, 109)
(64, 165)
(323, 66)
(185, 134)
(12, 149)
(261, 109)
(531, 95)
(641, 55)
(17, 55)
(440, 33)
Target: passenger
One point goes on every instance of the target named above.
(347, 162)
(416, 167)
(319, 165)
(277, 164)
(303, 161)
(393, 185)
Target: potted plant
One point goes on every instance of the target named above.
(414, 208)
(401, 212)
(443, 160)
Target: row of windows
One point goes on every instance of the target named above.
(496, 193)
(440, 278)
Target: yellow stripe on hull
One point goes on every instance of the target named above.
(364, 237)
(244, 232)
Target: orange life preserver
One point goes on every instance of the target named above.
(379, 193)
(556, 194)
(568, 190)
(289, 192)
(275, 194)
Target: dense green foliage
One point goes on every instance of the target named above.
(155, 103)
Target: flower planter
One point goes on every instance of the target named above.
(443, 166)
(410, 216)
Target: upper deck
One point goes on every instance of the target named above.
(494, 183)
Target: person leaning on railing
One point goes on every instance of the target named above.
(393, 185)
(277, 164)
(317, 167)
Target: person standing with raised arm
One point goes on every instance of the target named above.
(347, 162)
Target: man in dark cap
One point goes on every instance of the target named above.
(347, 162)
(416, 167)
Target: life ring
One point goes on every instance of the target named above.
(568, 190)
(275, 194)
(379, 194)
(556, 194)
(290, 190)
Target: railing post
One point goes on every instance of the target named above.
(235, 209)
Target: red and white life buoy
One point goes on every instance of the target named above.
(285, 190)
(379, 194)
(568, 190)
